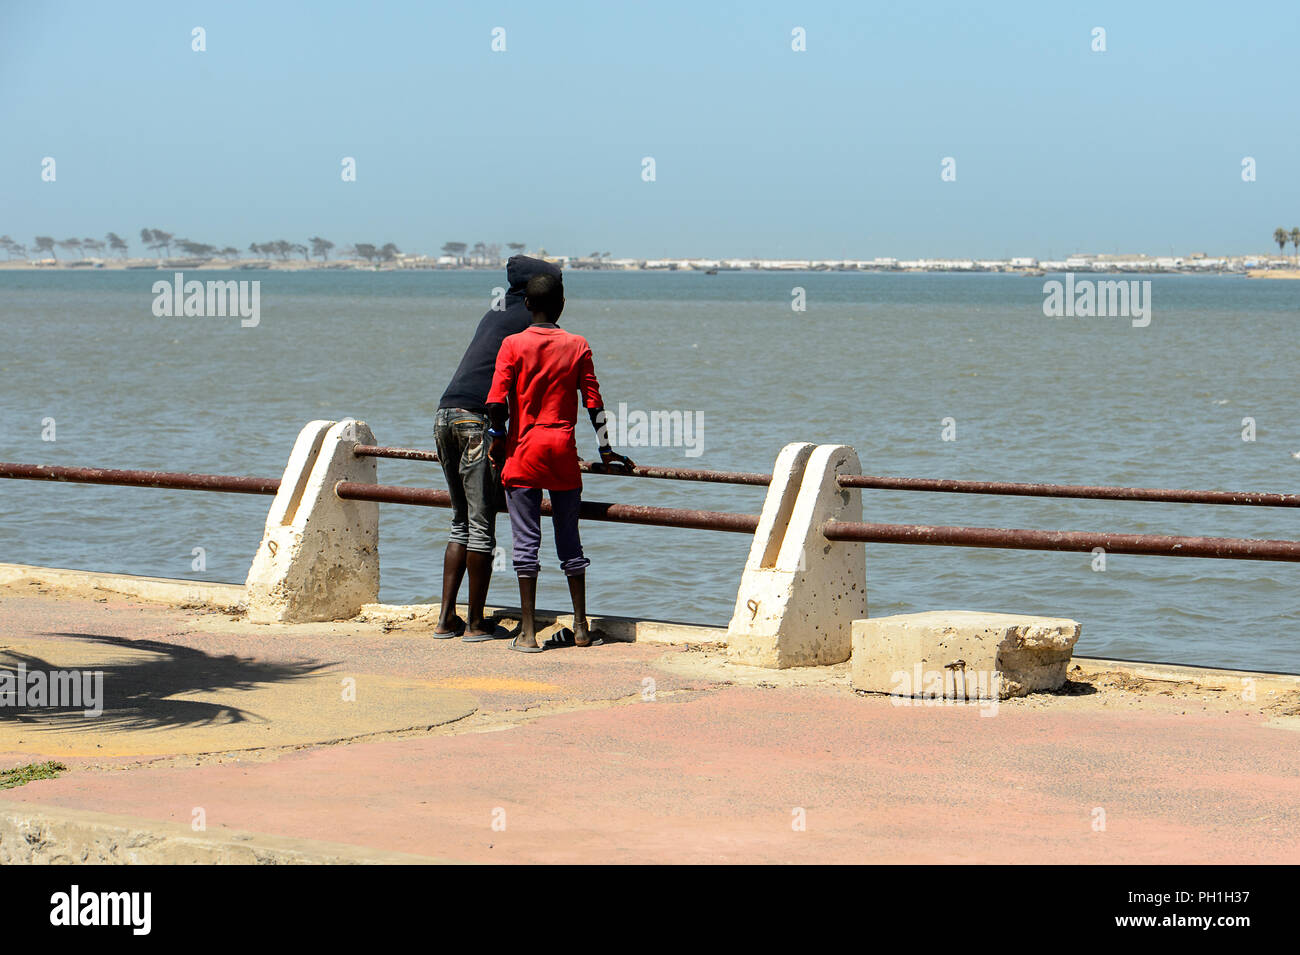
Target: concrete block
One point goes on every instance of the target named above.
(319, 556)
(800, 593)
(961, 654)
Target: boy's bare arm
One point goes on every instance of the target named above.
(590, 389)
(608, 455)
(497, 449)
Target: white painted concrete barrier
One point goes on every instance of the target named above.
(319, 556)
(800, 593)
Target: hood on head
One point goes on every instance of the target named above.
(520, 268)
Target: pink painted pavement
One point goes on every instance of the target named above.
(584, 770)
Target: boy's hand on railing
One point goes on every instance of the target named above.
(608, 457)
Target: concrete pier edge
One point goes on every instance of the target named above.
(171, 591)
(225, 597)
(210, 595)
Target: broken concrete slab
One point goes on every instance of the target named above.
(961, 654)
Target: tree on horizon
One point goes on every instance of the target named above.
(196, 249)
(1295, 243)
(158, 240)
(71, 245)
(321, 247)
(45, 243)
(117, 244)
(1281, 237)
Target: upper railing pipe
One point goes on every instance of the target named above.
(670, 474)
(943, 485)
(1086, 491)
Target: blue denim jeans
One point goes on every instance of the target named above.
(462, 441)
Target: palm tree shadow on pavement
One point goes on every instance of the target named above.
(135, 693)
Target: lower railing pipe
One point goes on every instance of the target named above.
(591, 510)
(1158, 545)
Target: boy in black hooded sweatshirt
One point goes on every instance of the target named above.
(460, 431)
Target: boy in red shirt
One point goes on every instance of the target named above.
(540, 372)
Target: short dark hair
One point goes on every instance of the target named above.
(545, 293)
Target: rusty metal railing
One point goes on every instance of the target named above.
(1084, 491)
(942, 485)
(381, 493)
(175, 480)
(590, 510)
(1160, 545)
(992, 537)
(588, 467)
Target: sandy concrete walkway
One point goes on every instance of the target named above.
(639, 753)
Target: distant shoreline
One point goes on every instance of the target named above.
(682, 266)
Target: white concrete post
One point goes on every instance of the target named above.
(319, 557)
(800, 593)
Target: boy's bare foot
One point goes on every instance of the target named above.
(453, 627)
(524, 638)
(585, 636)
(525, 642)
(483, 631)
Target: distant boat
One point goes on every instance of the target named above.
(711, 272)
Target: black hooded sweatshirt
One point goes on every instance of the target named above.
(473, 378)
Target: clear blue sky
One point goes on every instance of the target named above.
(760, 151)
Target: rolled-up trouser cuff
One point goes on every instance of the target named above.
(576, 567)
(480, 543)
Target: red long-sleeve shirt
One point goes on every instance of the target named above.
(540, 372)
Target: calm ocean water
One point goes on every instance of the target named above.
(876, 361)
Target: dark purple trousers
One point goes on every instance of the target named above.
(525, 506)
